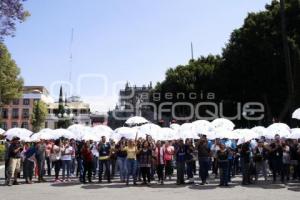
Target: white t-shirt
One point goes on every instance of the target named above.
(68, 150)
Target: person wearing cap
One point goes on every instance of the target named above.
(14, 155)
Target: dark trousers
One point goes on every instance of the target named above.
(28, 170)
(215, 167)
(246, 172)
(146, 174)
(277, 168)
(48, 163)
(57, 166)
(160, 172)
(95, 165)
(105, 163)
(168, 168)
(41, 167)
(113, 167)
(79, 171)
(6, 167)
(87, 169)
(203, 170)
(286, 172)
(223, 172)
(190, 169)
(180, 172)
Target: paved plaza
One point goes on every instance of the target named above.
(116, 191)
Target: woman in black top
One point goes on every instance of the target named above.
(222, 157)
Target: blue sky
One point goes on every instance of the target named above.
(116, 41)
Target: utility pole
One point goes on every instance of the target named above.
(192, 51)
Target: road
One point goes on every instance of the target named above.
(118, 191)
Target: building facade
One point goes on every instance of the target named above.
(76, 110)
(18, 112)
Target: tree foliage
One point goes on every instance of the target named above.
(11, 12)
(39, 115)
(11, 84)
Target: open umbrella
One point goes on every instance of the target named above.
(64, 133)
(44, 134)
(223, 123)
(102, 130)
(223, 133)
(187, 131)
(203, 127)
(78, 130)
(2, 131)
(295, 133)
(260, 131)
(280, 129)
(21, 133)
(129, 133)
(175, 126)
(148, 129)
(296, 114)
(166, 134)
(136, 121)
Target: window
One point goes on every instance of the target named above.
(4, 126)
(16, 102)
(26, 101)
(25, 125)
(4, 113)
(36, 100)
(25, 114)
(46, 124)
(15, 113)
(14, 124)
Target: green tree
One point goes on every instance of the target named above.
(11, 84)
(39, 115)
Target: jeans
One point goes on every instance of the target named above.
(169, 168)
(57, 166)
(131, 169)
(203, 170)
(73, 164)
(223, 165)
(48, 162)
(79, 169)
(105, 163)
(189, 170)
(95, 165)
(277, 167)
(261, 166)
(66, 165)
(41, 167)
(121, 161)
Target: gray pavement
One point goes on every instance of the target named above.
(118, 191)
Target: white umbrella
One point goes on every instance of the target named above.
(129, 133)
(64, 133)
(137, 120)
(187, 131)
(223, 133)
(44, 134)
(295, 133)
(203, 127)
(148, 129)
(296, 114)
(78, 130)
(260, 131)
(21, 133)
(90, 136)
(246, 134)
(280, 129)
(223, 123)
(175, 126)
(166, 134)
(102, 130)
(2, 131)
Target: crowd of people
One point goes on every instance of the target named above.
(145, 160)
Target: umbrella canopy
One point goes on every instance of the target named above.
(129, 133)
(223, 123)
(223, 133)
(102, 130)
(2, 131)
(280, 129)
(296, 114)
(64, 133)
(260, 131)
(246, 134)
(136, 121)
(149, 129)
(166, 134)
(187, 131)
(175, 126)
(78, 130)
(203, 127)
(21, 133)
(44, 134)
(295, 133)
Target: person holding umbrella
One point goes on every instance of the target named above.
(14, 155)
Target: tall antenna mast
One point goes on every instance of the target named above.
(192, 50)
(71, 57)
